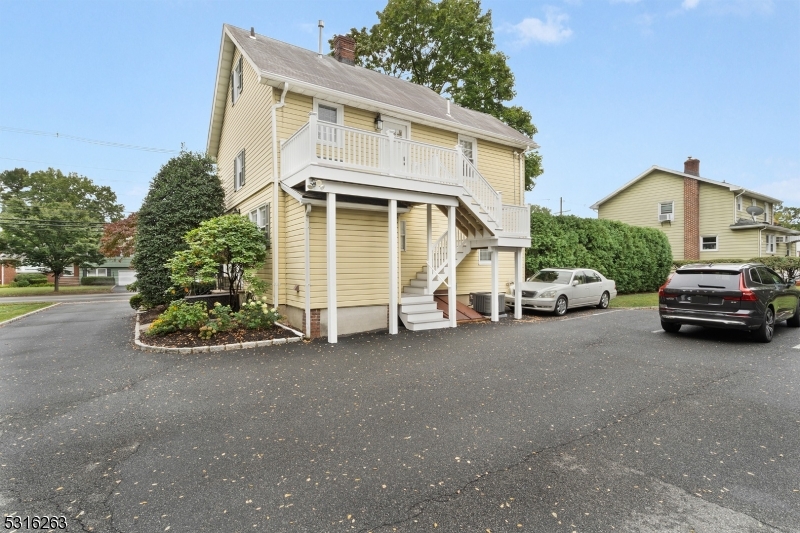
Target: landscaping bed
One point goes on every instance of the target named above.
(190, 339)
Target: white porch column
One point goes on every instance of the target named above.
(495, 310)
(333, 333)
(430, 251)
(519, 273)
(451, 265)
(393, 267)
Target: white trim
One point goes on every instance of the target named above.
(393, 273)
(716, 243)
(730, 186)
(767, 243)
(330, 230)
(474, 142)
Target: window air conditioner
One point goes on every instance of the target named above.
(665, 217)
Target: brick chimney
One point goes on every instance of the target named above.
(691, 166)
(344, 49)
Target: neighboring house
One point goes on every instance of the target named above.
(369, 187)
(118, 268)
(703, 219)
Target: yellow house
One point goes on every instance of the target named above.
(703, 219)
(375, 192)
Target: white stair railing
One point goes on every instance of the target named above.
(438, 263)
(481, 190)
(517, 219)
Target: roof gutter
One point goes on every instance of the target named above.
(275, 199)
(362, 102)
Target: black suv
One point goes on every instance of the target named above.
(746, 296)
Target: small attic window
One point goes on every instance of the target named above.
(237, 81)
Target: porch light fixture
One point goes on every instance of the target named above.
(378, 123)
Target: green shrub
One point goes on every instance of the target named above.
(180, 315)
(21, 283)
(97, 280)
(184, 193)
(256, 314)
(136, 301)
(637, 259)
(34, 279)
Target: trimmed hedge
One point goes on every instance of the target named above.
(637, 259)
(97, 280)
(33, 279)
(788, 267)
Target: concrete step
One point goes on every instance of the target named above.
(418, 308)
(435, 324)
(419, 318)
(412, 298)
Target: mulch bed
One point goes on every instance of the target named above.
(190, 339)
(151, 314)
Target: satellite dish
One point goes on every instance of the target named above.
(754, 211)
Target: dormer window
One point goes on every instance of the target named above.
(237, 81)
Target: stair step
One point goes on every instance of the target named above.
(435, 324)
(419, 318)
(414, 290)
(418, 283)
(422, 276)
(418, 308)
(413, 298)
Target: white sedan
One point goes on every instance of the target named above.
(559, 289)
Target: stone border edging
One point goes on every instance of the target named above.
(216, 348)
(20, 317)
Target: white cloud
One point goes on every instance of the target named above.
(689, 4)
(552, 30)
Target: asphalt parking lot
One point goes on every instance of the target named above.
(595, 422)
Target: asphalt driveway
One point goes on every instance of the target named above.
(590, 423)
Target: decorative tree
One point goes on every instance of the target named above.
(53, 221)
(184, 193)
(229, 242)
(449, 47)
(118, 237)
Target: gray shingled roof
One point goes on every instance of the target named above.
(288, 61)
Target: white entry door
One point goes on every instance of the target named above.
(400, 150)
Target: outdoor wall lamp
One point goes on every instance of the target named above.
(378, 123)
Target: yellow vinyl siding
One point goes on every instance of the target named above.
(247, 125)
(264, 197)
(715, 218)
(638, 205)
(500, 167)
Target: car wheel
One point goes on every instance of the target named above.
(604, 301)
(561, 306)
(767, 329)
(670, 327)
(794, 322)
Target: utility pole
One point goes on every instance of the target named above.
(561, 206)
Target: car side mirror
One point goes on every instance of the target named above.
(575, 283)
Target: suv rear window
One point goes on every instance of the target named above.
(705, 279)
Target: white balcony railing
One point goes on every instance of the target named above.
(351, 148)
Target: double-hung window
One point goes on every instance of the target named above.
(469, 147)
(666, 211)
(260, 217)
(484, 257)
(402, 235)
(237, 81)
(770, 244)
(238, 171)
(709, 244)
(329, 115)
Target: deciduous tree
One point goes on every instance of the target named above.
(118, 237)
(449, 47)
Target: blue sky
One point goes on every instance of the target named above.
(614, 86)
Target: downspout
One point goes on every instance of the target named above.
(759, 241)
(275, 191)
(308, 271)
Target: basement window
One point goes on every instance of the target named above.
(484, 257)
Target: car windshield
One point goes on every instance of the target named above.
(557, 277)
(705, 279)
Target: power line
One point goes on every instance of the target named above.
(81, 166)
(89, 141)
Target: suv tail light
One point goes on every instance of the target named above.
(661, 290)
(747, 294)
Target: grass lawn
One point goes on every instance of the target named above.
(645, 299)
(8, 311)
(43, 291)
